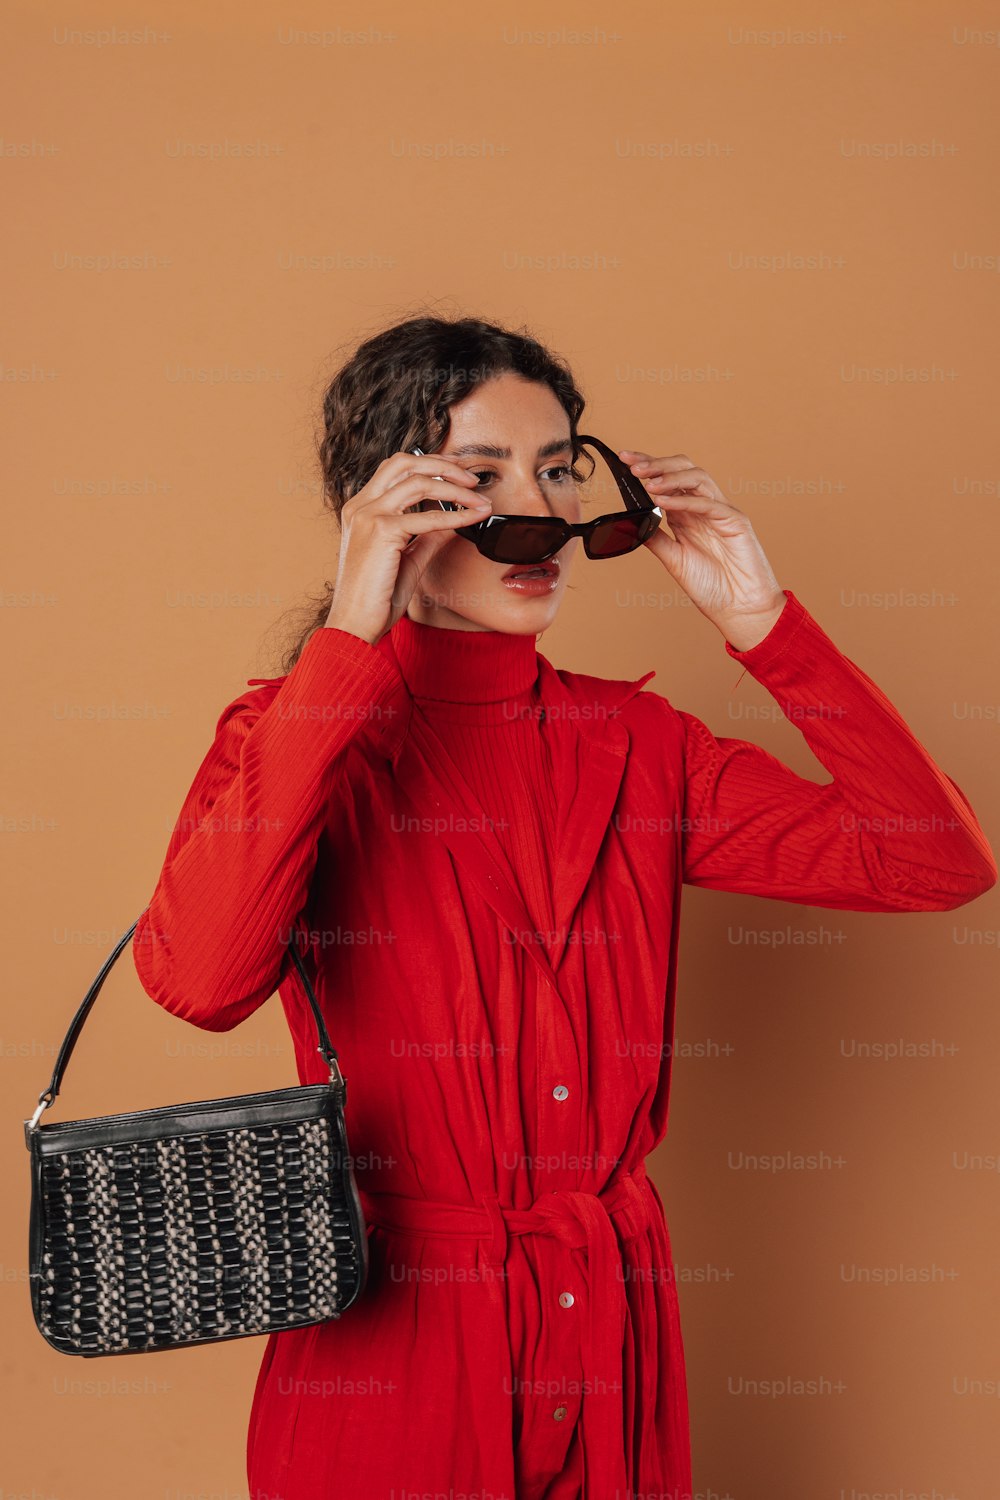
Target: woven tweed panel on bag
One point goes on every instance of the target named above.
(150, 1243)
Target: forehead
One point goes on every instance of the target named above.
(509, 414)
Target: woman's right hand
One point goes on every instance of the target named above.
(383, 550)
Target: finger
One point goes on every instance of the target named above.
(669, 551)
(668, 465)
(430, 466)
(695, 505)
(413, 563)
(692, 481)
(411, 524)
(683, 479)
(416, 488)
(402, 463)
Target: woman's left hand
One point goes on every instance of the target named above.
(713, 554)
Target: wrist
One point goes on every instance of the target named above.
(362, 633)
(744, 629)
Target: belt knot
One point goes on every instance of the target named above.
(572, 1215)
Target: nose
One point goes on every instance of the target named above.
(529, 498)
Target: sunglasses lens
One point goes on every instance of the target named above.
(521, 542)
(621, 534)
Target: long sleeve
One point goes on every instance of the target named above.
(890, 832)
(211, 945)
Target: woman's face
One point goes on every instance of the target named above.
(525, 421)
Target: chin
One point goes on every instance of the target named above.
(519, 616)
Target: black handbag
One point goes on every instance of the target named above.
(196, 1222)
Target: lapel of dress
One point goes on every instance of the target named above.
(588, 751)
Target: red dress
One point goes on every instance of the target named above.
(488, 855)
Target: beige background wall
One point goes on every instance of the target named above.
(264, 200)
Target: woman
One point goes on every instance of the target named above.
(487, 854)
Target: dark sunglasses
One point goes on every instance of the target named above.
(533, 539)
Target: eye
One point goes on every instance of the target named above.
(561, 469)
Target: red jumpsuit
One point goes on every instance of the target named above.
(488, 856)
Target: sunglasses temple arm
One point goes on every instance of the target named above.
(634, 495)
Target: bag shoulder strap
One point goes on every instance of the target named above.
(48, 1094)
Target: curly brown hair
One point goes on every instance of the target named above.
(394, 393)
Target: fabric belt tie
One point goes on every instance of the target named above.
(598, 1222)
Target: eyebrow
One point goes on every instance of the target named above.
(490, 450)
